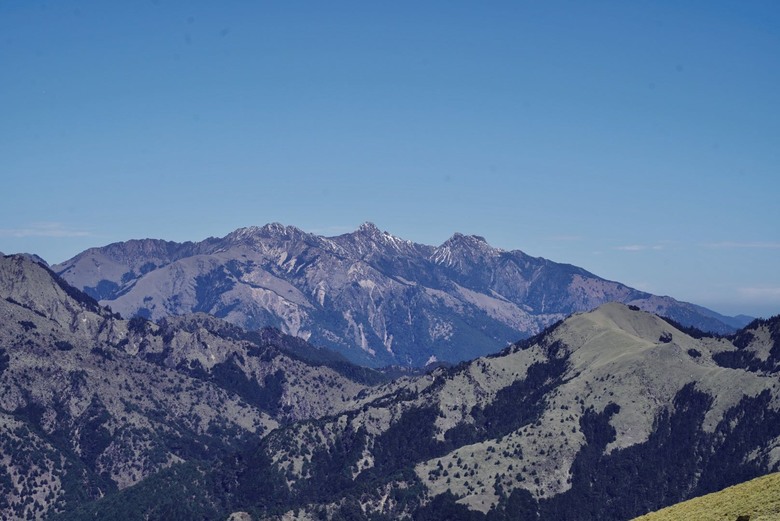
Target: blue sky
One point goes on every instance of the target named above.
(639, 140)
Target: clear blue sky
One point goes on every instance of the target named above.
(639, 140)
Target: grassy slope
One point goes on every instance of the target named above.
(758, 498)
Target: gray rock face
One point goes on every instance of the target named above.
(374, 297)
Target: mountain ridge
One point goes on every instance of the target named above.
(605, 415)
(376, 298)
(101, 403)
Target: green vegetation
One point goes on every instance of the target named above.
(4, 360)
(743, 358)
(180, 492)
(759, 499)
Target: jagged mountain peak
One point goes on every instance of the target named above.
(368, 240)
(375, 297)
(461, 238)
(463, 249)
(371, 231)
(369, 228)
(273, 230)
(276, 229)
(463, 242)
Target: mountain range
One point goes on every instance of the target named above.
(607, 415)
(375, 298)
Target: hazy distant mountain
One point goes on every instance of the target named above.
(376, 298)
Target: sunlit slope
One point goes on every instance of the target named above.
(375, 298)
(758, 498)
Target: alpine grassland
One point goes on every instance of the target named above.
(755, 500)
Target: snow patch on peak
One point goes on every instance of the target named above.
(459, 247)
(280, 230)
(274, 227)
(243, 233)
(371, 230)
(459, 239)
(368, 237)
(369, 227)
(271, 230)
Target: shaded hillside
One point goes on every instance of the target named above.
(92, 403)
(377, 299)
(608, 415)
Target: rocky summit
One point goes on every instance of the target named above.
(376, 298)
